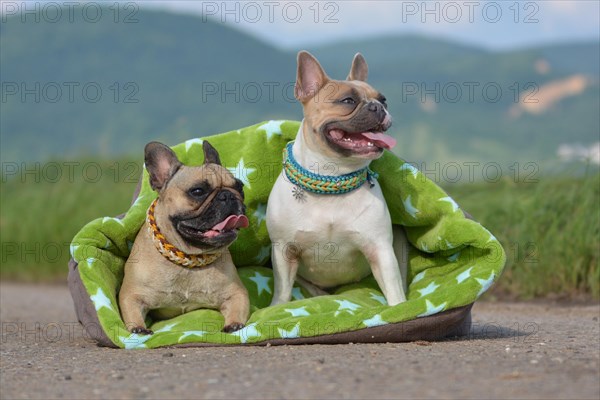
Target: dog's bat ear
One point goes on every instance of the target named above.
(161, 163)
(239, 186)
(310, 77)
(359, 70)
(211, 156)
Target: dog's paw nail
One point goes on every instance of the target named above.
(236, 326)
(141, 330)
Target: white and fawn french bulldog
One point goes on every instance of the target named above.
(179, 261)
(342, 130)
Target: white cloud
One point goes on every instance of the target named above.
(487, 23)
(563, 6)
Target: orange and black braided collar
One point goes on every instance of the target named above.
(171, 252)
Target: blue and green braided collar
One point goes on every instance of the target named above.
(323, 184)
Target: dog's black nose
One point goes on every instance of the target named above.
(375, 107)
(225, 195)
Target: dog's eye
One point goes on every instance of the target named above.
(383, 101)
(348, 100)
(196, 192)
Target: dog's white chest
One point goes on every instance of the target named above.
(328, 230)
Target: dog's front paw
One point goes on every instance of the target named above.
(235, 326)
(141, 330)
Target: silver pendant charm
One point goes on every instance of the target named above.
(298, 193)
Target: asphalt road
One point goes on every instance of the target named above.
(515, 350)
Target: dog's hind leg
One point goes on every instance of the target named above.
(312, 289)
(386, 253)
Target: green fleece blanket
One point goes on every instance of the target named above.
(453, 260)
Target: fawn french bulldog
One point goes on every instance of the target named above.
(328, 197)
(180, 259)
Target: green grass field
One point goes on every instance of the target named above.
(41, 214)
(550, 229)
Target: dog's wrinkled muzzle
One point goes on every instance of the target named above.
(221, 198)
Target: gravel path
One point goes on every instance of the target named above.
(516, 350)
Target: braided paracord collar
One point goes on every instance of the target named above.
(172, 253)
(324, 184)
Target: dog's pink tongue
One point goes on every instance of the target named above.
(231, 222)
(380, 139)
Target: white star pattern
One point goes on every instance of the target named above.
(375, 321)
(407, 167)
(191, 333)
(165, 328)
(485, 283)
(298, 312)
(139, 199)
(347, 306)
(431, 309)
(451, 201)
(418, 277)
(100, 300)
(424, 247)
(464, 275)
(454, 257)
(242, 172)
(260, 213)
(137, 341)
(297, 294)
(134, 341)
(72, 249)
(247, 332)
(90, 261)
(262, 283)
(428, 290)
(263, 254)
(291, 334)
(189, 143)
(271, 128)
(379, 298)
(449, 245)
(410, 209)
(492, 237)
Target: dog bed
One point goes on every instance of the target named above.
(452, 261)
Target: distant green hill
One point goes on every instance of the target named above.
(454, 127)
(573, 57)
(167, 58)
(171, 77)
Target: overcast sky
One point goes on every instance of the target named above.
(492, 24)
